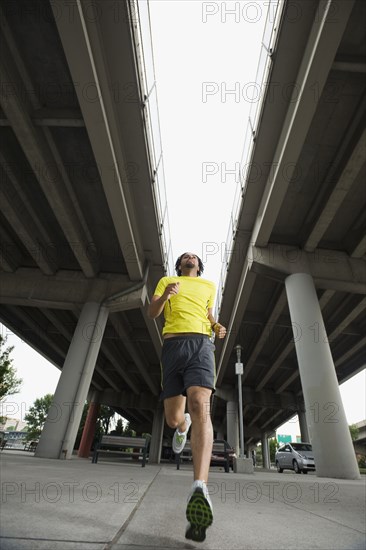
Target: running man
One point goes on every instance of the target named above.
(188, 373)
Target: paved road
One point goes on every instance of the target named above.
(75, 505)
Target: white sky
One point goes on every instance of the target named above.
(201, 130)
(190, 53)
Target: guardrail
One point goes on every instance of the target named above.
(140, 21)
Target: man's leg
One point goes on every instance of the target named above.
(199, 508)
(201, 431)
(174, 408)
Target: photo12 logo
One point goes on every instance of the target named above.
(237, 12)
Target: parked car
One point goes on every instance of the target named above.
(230, 450)
(295, 456)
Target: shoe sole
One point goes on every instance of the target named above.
(199, 515)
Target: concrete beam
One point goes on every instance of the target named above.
(70, 118)
(318, 58)
(360, 249)
(276, 312)
(34, 327)
(84, 51)
(242, 297)
(132, 300)
(10, 256)
(346, 321)
(21, 216)
(261, 398)
(60, 118)
(350, 352)
(257, 416)
(227, 394)
(355, 164)
(288, 381)
(134, 353)
(270, 420)
(275, 365)
(349, 64)
(126, 400)
(331, 336)
(152, 325)
(119, 366)
(330, 269)
(40, 151)
(66, 289)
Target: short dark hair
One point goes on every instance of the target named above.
(179, 271)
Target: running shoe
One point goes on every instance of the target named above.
(199, 512)
(180, 438)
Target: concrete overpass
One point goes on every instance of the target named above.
(83, 224)
(293, 284)
(84, 232)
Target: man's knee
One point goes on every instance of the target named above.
(173, 420)
(199, 403)
(174, 411)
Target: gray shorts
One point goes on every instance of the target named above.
(187, 360)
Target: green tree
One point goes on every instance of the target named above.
(119, 427)
(37, 415)
(104, 418)
(9, 383)
(273, 446)
(258, 451)
(123, 430)
(353, 431)
(128, 431)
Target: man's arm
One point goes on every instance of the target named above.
(157, 303)
(218, 329)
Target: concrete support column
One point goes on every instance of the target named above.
(328, 428)
(60, 430)
(221, 430)
(303, 426)
(89, 428)
(156, 436)
(265, 452)
(232, 420)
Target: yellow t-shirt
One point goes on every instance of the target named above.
(187, 310)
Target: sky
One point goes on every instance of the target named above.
(205, 62)
(206, 57)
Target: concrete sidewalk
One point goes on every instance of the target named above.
(66, 505)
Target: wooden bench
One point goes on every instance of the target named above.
(31, 446)
(219, 456)
(116, 444)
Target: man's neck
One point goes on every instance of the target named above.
(189, 273)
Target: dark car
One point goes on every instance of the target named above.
(217, 460)
(295, 456)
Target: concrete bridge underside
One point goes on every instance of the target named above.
(82, 244)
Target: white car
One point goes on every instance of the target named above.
(295, 456)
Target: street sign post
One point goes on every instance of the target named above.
(239, 370)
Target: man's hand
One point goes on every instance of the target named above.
(157, 302)
(171, 290)
(219, 330)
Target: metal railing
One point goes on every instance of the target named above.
(140, 21)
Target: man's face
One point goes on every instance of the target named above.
(189, 261)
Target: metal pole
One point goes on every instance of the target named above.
(239, 371)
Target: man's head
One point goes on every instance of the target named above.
(188, 261)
